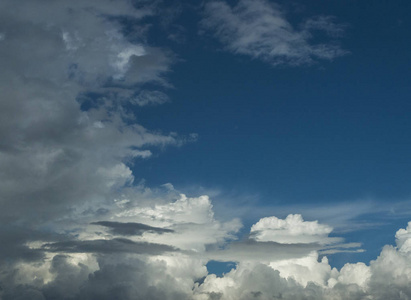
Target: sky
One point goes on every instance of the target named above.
(248, 149)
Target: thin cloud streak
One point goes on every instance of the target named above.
(130, 228)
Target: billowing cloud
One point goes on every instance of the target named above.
(387, 277)
(65, 140)
(191, 220)
(261, 30)
(290, 230)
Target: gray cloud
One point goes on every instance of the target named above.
(116, 245)
(130, 228)
(251, 250)
(57, 157)
(124, 278)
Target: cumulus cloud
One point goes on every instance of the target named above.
(66, 143)
(191, 220)
(290, 230)
(261, 30)
(307, 277)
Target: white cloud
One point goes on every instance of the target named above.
(293, 229)
(184, 210)
(304, 270)
(403, 238)
(260, 29)
(192, 220)
(286, 271)
(358, 274)
(387, 277)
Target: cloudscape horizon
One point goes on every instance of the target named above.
(248, 149)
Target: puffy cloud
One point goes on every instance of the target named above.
(191, 220)
(403, 238)
(260, 29)
(66, 142)
(293, 229)
(265, 269)
(304, 270)
(254, 282)
(358, 274)
(387, 277)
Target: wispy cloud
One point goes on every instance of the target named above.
(261, 30)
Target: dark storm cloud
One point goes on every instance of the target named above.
(15, 242)
(130, 228)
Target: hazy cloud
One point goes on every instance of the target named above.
(150, 98)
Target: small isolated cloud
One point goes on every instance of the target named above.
(293, 229)
(260, 29)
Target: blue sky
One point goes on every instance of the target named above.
(148, 146)
(327, 133)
